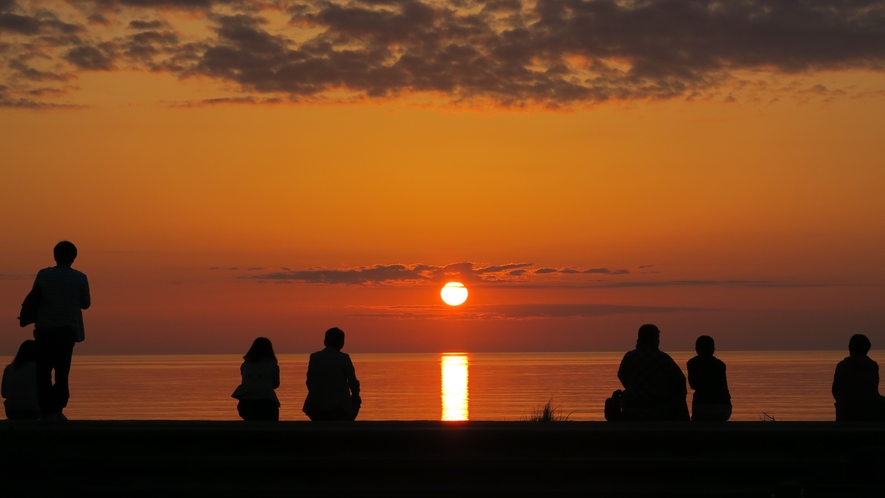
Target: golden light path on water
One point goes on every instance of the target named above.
(454, 387)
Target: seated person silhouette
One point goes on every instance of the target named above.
(654, 385)
(711, 401)
(856, 384)
(19, 385)
(333, 391)
(261, 375)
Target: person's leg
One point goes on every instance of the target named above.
(44, 371)
(13, 414)
(270, 410)
(64, 350)
(245, 409)
(258, 409)
(703, 412)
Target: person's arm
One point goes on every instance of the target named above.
(3, 386)
(85, 298)
(836, 387)
(276, 377)
(308, 372)
(350, 374)
(623, 370)
(680, 381)
(678, 378)
(691, 375)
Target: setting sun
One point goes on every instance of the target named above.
(454, 293)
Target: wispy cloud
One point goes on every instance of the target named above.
(397, 273)
(552, 53)
(16, 276)
(513, 275)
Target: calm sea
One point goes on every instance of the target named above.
(474, 386)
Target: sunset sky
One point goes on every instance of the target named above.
(231, 169)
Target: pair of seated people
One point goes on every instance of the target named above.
(333, 389)
(654, 385)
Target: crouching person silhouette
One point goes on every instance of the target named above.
(706, 375)
(261, 375)
(654, 385)
(19, 385)
(856, 384)
(333, 391)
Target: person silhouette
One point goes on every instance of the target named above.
(333, 391)
(856, 384)
(261, 375)
(64, 293)
(711, 401)
(19, 385)
(654, 385)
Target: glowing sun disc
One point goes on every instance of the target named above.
(454, 293)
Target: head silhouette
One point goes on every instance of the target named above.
(26, 352)
(334, 338)
(859, 344)
(261, 350)
(705, 346)
(648, 335)
(64, 253)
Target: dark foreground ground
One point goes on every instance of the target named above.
(127, 458)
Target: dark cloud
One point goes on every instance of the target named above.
(515, 311)
(89, 58)
(147, 44)
(98, 18)
(387, 274)
(148, 4)
(357, 276)
(32, 25)
(19, 24)
(32, 74)
(606, 271)
(137, 24)
(554, 53)
(469, 273)
(7, 100)
(248, 100)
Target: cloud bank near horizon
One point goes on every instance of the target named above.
(514, 275)
(413, 274)
(511, 53)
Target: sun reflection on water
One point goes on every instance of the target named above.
(454, 387)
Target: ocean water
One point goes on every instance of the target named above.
(452, 386)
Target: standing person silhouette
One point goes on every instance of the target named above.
(64, 293)
(261, 375)
(711, 401)
(333, 391)
(856, 384)
(654, 385)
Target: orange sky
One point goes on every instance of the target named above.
(751, 211)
